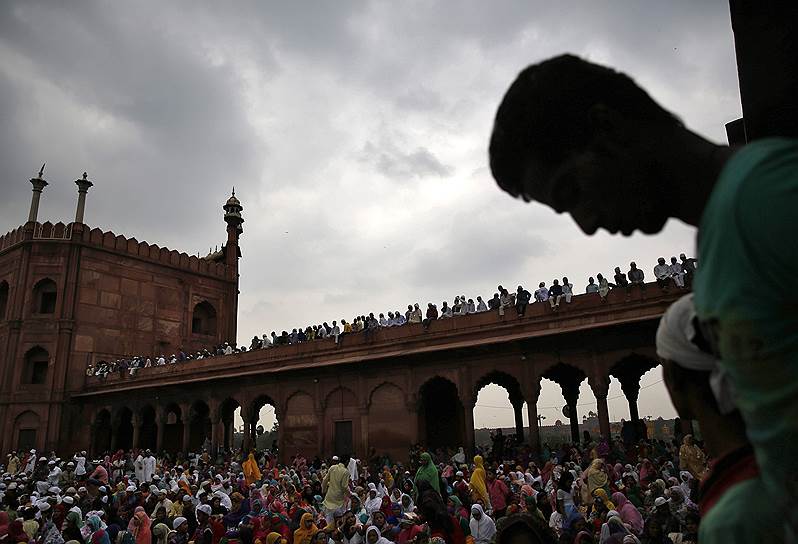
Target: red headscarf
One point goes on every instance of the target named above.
(139, 526)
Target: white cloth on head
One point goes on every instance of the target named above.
(380, 539)
(675, 336)
(483, 529)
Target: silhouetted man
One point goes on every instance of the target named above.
(585, 139)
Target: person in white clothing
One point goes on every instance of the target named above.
(567, 290)
(677, 272)
(481, 306)
(542, 293)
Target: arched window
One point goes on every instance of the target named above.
(37, 361)
(45, 294)
(203, 320)
(3, 299)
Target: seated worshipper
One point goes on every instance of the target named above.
(373, 536)
(567, 290)
(542, 293)
(603, 287)
(662, 272)
(481, 526)
(636, 277)
(699, 390)
(306, 530)
(677, 272)
(555, 294)
(628, 513)
(591, 286)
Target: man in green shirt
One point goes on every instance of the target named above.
(586, 140)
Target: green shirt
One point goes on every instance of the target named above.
(746, 297)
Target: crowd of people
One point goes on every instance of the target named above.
(592, 492)
(678, 274)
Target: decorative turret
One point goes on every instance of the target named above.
(38, 185)
(232, 216)
(83, 188)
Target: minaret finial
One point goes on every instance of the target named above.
(85, 175)
(234, 190)
(41, 172)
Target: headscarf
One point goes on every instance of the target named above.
(628, 513)
(596, 477)
(428, 472)
(16, 533)
(675, 342)
(479, 480)
(251, 471)
(613, 526)
(303, 532)
(602, 495)
(380, 539)
(160, 532)
(139, 526)
(273, 538)
(483, 529)
(75, 518)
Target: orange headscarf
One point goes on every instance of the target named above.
(303, 535)
(251, 471)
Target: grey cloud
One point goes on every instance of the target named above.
(400, 165)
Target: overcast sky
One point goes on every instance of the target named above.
(355, 134)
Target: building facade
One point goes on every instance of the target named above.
(71, 295)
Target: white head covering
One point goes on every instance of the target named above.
(482, 529)
(179, 520)
(675, 337)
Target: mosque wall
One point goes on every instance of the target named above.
(70, 296)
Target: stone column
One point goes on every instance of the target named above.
(412, 410)
(136, 422)
(186, 419)
(321, 433)
(468, 422)
(83, 188)
(519, 420)
(631, 389)
(38, 185)
(532, 413)
(364, 432)
(247, 441)
(217, 427)
(571, 393)
(601, 387)
(161, 429)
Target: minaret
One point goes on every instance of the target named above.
(83, 188)
(38, 185)
(232, 216)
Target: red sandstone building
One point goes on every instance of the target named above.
(71, 295)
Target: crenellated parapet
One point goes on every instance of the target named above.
(116, 243)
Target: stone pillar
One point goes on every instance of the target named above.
(571, 393)
(412, 411)
(532, 413)
(114, 435)
(247, 441)
(468, 423)
(601, 387)
(136, 422)
(38, 185)
(217, 427)
(519, 420)
(631, 389)
(364, 432)
(161, 422)
(83, 188)
(186, 419)
(320, 432)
